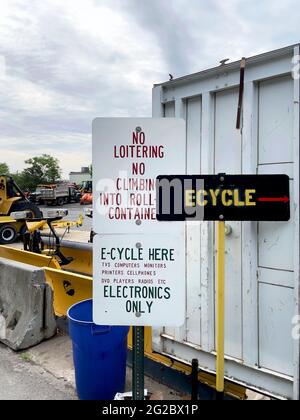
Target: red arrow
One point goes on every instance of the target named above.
(284, 199)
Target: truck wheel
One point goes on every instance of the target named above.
(60, 201)
(27, 206)
(8, 234)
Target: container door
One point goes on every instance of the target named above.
(276, 240)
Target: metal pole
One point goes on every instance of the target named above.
(138, 363)
(220, 301)
(195, 368)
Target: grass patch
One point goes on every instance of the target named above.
(25, 357)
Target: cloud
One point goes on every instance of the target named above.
(64, 63)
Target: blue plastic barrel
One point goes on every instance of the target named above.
(99, 354)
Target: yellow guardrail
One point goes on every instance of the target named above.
(82, 258)
(68, 289)
(27, 257)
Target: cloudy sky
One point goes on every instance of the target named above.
(64, 62)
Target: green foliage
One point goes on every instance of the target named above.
(43, 167)
(41, 170)
(4, 169)
(26, 357)
(25, 182)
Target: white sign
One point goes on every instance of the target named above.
(139, 263)
(139, 283)
(128, 155)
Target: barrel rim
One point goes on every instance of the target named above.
(77, 320)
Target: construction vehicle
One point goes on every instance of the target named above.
(87, 193)
(87, 198)
(87, 187)
(58, 194)
(35, 197)
(33, 241)
(14, 206)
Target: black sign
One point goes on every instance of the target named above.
(223, 197)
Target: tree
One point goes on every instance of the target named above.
(25, 182)
(43, 169)
(4, 169)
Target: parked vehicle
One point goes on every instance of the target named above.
(59, 195)
(86, 199)
(35, 197)
(14, 209)
(87, 187)
(87, 193)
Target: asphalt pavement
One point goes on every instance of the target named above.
(46, 372)
(22, 380)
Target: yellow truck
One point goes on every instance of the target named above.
(13, 206)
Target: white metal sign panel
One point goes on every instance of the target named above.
(139, 263)
(128, 155)
(139, 280)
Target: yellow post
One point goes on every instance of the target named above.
(220, 303)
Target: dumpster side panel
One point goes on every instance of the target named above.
(262, 259)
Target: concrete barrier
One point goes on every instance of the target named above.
(26, 305)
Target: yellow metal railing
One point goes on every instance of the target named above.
(68, 289)
(27, 257)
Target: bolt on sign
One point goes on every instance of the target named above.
(223, 197)
(139, 265)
